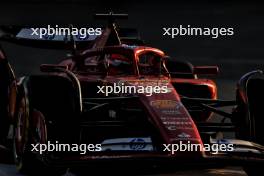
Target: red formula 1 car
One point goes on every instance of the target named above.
(132, 103)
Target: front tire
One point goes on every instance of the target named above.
(30, 128)
(248, 115)
(22, 157)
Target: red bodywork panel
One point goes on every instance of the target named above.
(166, 111)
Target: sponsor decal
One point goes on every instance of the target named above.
(184, 139)
(128, 144)
(184, 123)
(167, 118)
(151, 82)
(171, 112)
(137, 144)
(172, 128)
(184, 135)
(169, 123)
(173, 123)
(165, 104)
(49, 37)
(173, 118)
(184, 128)
(177, 123)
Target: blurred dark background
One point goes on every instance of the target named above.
(235, 55)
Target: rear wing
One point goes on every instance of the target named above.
(22, 36)
(110, 35)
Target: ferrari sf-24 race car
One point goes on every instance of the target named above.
(64, 104)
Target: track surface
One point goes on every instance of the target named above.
(9, 170)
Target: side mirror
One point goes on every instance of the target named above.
(206, 70)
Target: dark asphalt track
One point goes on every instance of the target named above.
(9, 170)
